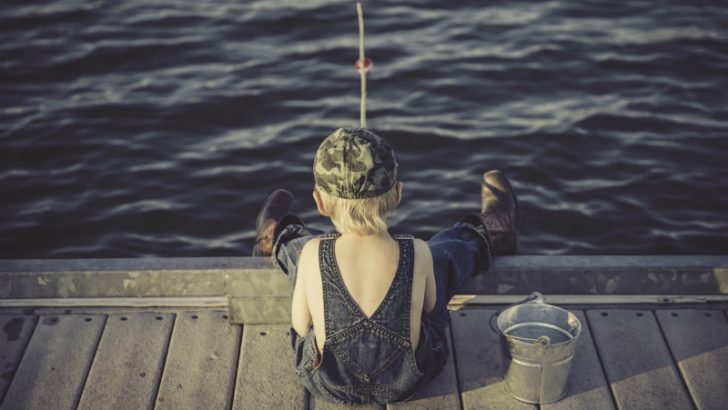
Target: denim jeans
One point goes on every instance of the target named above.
(458, 253)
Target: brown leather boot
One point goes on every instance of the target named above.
(499, 213)
(279, 203)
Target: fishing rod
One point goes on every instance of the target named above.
(363, 66)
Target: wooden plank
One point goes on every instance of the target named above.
(17, 330)
(479, 363)
(636, 360)
(318, 404)
(266, 377)
(440, 393)
(56, 362)
(587, 385)
(201, 362)
(129, 362)
(698, 340)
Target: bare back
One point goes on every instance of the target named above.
(367, 268)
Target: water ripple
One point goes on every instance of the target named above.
(149, 128)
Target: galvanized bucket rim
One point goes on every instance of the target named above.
(536, 303)
(534, 299)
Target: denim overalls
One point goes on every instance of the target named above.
(371, 360)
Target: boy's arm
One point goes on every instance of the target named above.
(300, 314)
(423, 251)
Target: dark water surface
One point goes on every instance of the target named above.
(138, 128)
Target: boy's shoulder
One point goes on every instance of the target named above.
(422, 252)
(314, 242)
(422, 249)
(420, 245)
(308, 258)
(310, 248)
(309, 251)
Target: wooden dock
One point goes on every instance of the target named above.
(641, 355)
(627, 358)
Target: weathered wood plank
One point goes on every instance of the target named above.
(17, 330)
(587, 385)
(439, 393)
(317, 404)
(266, 377)
(479, 363)
(56, 362)
(129, 362)
(698, 340)
(636, 360)
(201, 362)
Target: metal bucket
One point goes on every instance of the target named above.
(538, 342)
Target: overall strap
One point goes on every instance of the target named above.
(340, 311)
(394, 311)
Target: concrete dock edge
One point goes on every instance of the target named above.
(258, 293)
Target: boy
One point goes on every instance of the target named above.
(369, 310)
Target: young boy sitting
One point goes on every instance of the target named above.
(369, 310)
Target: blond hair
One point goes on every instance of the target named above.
(367, 216)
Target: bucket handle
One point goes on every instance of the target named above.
(535, 296)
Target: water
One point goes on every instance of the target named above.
(537, 332)
(143, 128)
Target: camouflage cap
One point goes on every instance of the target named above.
(355, 164)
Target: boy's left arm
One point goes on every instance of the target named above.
(300, 314)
